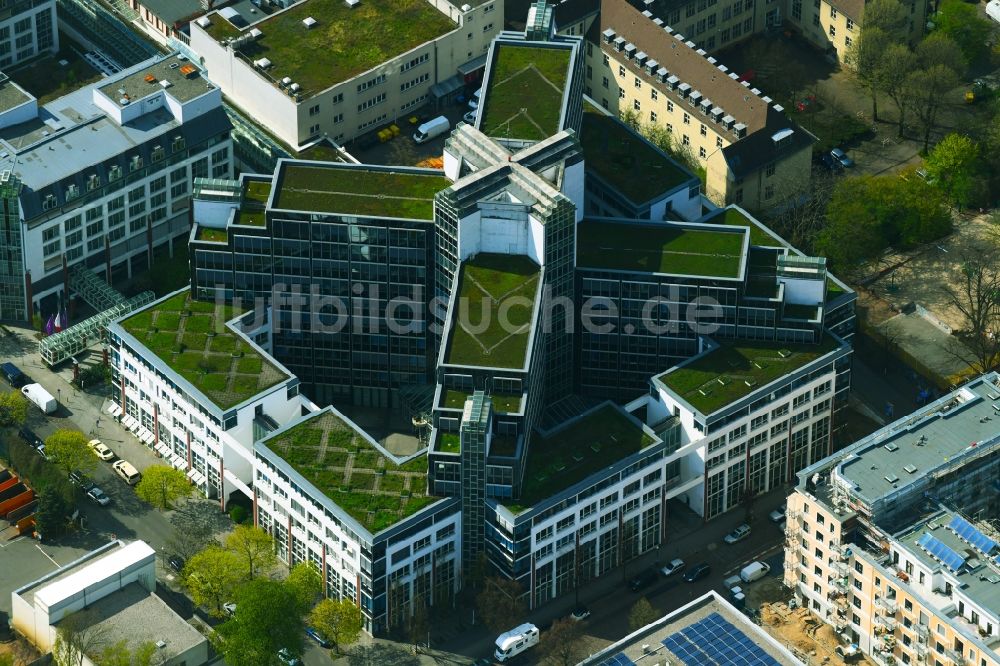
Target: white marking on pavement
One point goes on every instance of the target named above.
(46, 555)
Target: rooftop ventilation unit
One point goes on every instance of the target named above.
(149, 78)
(294, 87)
(161, 644)
(203, 21)
(891, 478)
(309, 22)
(255, 33)
(351, 4)
(262, 63)
(911, 469)
(891, 447)
(165, 84)
(287, 81)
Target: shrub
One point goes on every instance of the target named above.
(238, 514)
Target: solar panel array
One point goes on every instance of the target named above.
(940, 551)
(713, 641)
(968, 532)
(617, 660)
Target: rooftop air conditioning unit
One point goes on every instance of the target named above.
(351, 4)
(255, 33)
(287, 81)
(262, 63)
(294, 87)
(165, 84)
(203, 21)
(466, 8)
(309, 22)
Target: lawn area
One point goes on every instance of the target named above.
(253, 218)
(47, 80)
(501, 403)
(733, 217)
(596, 441)
(257, 191)
(331, 189)
(352, 473)
(192, 339)
(733, 370)
(524, 96)
(321, 152)
(213, 235)
(627, 162)
(344, 42)
(479, 336)
(659, 248)
(449, 442)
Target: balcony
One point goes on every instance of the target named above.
(888, 622)
(889, 606)
(955, 657)
(921, 630)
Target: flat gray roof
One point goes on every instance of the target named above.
(136, 616)
(963, 422)
(184, 79)
(979, 578)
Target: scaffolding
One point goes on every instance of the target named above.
(110, 305)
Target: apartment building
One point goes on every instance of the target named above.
(330, 69)
(894, 538)
(333, 496)
(198, 391)
(833, 25)
(102, 176)
(646, 67)
(27, 29)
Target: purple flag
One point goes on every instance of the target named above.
(50, 325)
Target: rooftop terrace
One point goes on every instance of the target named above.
(626, 161)
(597, 440)
(185, 82)
(659, 248)
(487, 283)
(343, 43)
(191, 338)
(351, 472)
(733, 370)
(525, 93)
(358, 191)
(736, 218)
(46, 79)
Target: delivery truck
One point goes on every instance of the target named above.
(432, 128)
(42, 398)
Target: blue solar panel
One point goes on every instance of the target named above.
(714, 641)
(968, 532)
(618, 660)
(940, 551)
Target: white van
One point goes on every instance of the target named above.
(516, 641)
(40, 397)
(432, 128)
(993, 10)
(754, 571)
(130, 474)
(474, 100)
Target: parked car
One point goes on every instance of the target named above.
(41, 451)
(580, 613)
(76, 477)
(30, 438)
(672, 567)
(176, 562)
(841, 158)
(100, 450)
(13, 375)
(697, 572)
(778, 514)
(317, 636)
(97, 496)
(470, 117)
(737, 535)
(286, 657)
(642, 580)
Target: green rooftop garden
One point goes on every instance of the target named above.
(344, 42)
(733, 370)
(479, 335)
(320, 152)
(587, 446)
(733, 217)
(214, 235)
(358, 191)
(501, 403)
(525, 92)
(449, 442)
(627, 162)
(353, 474)
(253, 218)
(46, 79)
(659, 248)
(192, 339)
(257, 191)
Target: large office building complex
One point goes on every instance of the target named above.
(331, 69)
(894, 541)
(101, 177)
(436, 321)
(28, 29)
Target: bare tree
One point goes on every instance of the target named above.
(562, 642)
(975, 292)
(78, 635)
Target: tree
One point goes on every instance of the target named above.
(69, 451)
(212, 576)
(162, 485)
(642, 613)
(77, 635)
(975, 292)
(953, 165)
(268, 619)
(379, 654)
(338, 619)
(306, 585)
(418, 624)
(561, 645)
(863, 57)
(926, 90)
(888, 16)
(13, 408)
(51, 514)
(254, 546)
(500, 600)
(961, 22)
(120, 655)
(195, 523)
(940, 49)
(893, 67)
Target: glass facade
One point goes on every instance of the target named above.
(12, 285)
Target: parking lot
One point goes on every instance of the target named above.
(403, 150)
